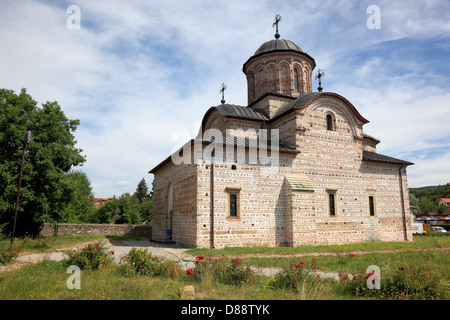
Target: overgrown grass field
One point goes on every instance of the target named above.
(421, 271)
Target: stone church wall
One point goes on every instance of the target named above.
(183, 179)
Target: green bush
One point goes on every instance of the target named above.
(92, 256)
(7, 253)
(221, 270)
(405, 283)
(140, 261)
(293, 276)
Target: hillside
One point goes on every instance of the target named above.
(426, 198)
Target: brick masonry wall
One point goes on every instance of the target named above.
(50, 229)
(271, 213)
(274, 72)
(183, 179)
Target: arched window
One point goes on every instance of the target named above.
(330, 122)
(296, 80)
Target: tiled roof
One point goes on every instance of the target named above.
(232, 110)
(253, 143)
(376, 157)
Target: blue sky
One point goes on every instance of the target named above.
(139, 74)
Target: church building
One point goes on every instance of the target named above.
(293, 167)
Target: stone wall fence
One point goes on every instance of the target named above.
(52, 229)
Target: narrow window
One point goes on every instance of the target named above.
(233, 205)
(371, 206)
(332, 203)
(329, 122)
(296, 80)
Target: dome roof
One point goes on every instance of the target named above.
(277, 45)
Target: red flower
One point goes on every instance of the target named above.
(248, 268)
(351, 254)
(112, 252)
(190, 272)
(315, 281)
(200, 257)
(354, 277)
(235, 260)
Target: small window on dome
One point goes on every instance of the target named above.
(296, 80)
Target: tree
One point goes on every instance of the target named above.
(142, 190)
(81, 203)
(414, 202)
(427, 206)
(45, 189)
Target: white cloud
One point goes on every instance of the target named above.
(137, 71)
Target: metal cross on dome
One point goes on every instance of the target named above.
(320, 73)
(277, 20)
(222, 90)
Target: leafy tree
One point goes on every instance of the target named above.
(107, 213)
(427, 205)
(146, 210)
(45, 189)
(81, 205)
(413, 201)
(442, 209)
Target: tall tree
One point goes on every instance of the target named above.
(142, 190)
(45, 190)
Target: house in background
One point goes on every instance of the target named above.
(445, 202)
(98, 202)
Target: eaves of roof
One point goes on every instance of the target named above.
(376, 157)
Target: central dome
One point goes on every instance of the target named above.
(277, 45)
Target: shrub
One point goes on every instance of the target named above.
(140, 261)
(405, 283)
(294, 275)
(221, 270)
(7, 254)
(92, 256)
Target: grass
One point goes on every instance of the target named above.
(419, 242)
(388, 262)
(47, 244)
(47, 280)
